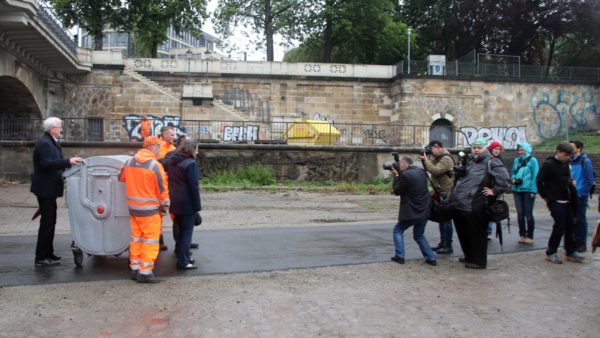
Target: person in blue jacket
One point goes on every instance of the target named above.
(582, 172)
(524, 173)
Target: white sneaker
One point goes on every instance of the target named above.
(522, 240)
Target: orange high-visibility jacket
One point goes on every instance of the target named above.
(164, 149)
(145, 184)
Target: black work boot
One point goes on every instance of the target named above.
(150, 279)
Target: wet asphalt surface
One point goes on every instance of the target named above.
(243, 250)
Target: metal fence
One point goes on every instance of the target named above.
(49, 18)
(244, 100)
(501, 71)
(323, 133)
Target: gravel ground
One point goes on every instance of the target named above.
(521, 296)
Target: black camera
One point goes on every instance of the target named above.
(517, 181)
(426, 151)
(393, 164)
(461, 169)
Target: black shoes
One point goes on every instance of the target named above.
(192, 261)
(432, 263)
(163, 247)
(194, 246)
(134, 275)
(46, 262)
(439, 246)
(148, 279)
(443, 251)
(581, 248)
(398, 259)
(462, 260)
(189, 266)
(55, 258)
(474, 266)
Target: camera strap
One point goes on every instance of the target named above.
(524, 163)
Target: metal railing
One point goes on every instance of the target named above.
(244, 100)
(48, 17)
(321, 133)
(502, 71)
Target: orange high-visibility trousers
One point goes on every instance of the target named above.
(143, 247)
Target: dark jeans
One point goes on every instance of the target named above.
(471, 229)
(524, 204)
(186, 229)
(564, 222)
(446, 233)
(581, 227)
(45, 248)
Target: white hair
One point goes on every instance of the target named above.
(51, 122)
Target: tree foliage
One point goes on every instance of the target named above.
(91, 15)
(546, 32)
(265, 17)
(151, 19)
(353, 31)
(535, 30)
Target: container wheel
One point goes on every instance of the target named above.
(78, 257)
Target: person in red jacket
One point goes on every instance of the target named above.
(145, 127)
(147, 196)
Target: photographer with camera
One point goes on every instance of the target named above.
(524, 172)
(410, 183)
(440, 164)
(482, 177)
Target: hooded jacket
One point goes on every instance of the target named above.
(441, 168)
(183, 184)
(582, 171)
(553, 181)
(468, 191)
(527, 172)
(145, 184)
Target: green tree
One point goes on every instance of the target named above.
(266, 17)
(151, 19)
(353, 31)
(91, 15)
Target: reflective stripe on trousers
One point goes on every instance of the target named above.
(143, 248)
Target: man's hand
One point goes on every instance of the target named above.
(75, 160)
(488, 192)
(198, 219)
(395, 172)
(532, 196)
(423, 157)
(164, 209)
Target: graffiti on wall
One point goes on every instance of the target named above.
(131, 123)
(245, 133)
(555, 115)
(509, 136)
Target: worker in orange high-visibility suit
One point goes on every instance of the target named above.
(147, 196)
(167, 135)
(145, 126)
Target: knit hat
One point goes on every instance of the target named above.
(152, 141)
(495, 144)
(479, 143)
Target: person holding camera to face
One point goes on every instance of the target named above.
(410, 183)
(524, 173)
(439, 163)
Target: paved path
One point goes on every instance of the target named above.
(244, 250)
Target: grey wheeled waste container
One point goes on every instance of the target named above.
(97, 205)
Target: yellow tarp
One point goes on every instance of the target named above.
(312, 132)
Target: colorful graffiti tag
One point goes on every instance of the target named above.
(509, 136)
(131, 123)
(554, 116)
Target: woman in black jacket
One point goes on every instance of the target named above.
(184, 194)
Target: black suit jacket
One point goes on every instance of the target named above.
(48, 167)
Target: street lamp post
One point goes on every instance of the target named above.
(207, 57)
(409, 30)
(188, 55)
